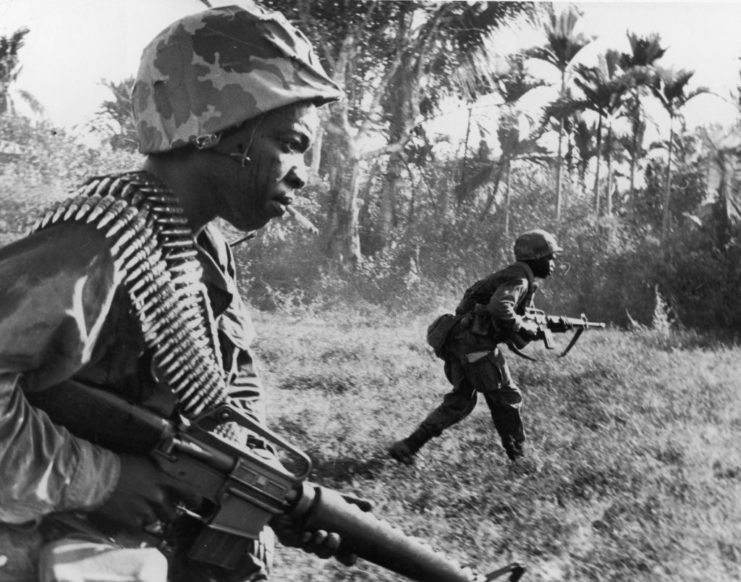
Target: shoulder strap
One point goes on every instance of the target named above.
(482, 290)
(532, 286)
(154, 255)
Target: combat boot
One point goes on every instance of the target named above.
(522, 466)
(405, 449)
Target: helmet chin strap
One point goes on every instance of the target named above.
(243, 148)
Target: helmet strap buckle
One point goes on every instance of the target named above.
(206, 141)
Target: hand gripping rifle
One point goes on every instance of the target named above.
(243, 490)
(547, 326)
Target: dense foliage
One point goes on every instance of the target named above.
(409, 216)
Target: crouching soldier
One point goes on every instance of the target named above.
(491, 310)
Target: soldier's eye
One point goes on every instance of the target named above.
(293, 145)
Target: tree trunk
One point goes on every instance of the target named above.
(462, 179)
(634, 154)
(389, 196)
(560, 151)
(665, 214)
(344, 238)
(608, 191)
(343, 244)
(508, 185)
(596, 173)
(558, 170)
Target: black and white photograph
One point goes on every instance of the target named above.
(370, 290)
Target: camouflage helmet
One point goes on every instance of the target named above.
(535, 244)
(215, 69)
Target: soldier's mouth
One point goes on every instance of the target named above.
(284, 199)
(281, 203)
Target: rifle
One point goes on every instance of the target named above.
(547, 326)
(243, 491)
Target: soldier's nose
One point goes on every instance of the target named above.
(297, 177)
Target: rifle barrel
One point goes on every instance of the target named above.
(374, 540)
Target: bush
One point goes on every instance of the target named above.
(613, 267)
(49, 163)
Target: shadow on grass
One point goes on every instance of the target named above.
(329, 384)
(341, 470)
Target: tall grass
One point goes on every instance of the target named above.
(636, 434)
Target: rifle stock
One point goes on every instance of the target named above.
(243, 490)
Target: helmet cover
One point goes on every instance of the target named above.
(535, 244)
(215, 69)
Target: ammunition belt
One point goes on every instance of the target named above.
(154, 254)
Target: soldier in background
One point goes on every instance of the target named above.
(490, 311)
(226, 107)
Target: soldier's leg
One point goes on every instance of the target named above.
(491, 376)
(456, 405)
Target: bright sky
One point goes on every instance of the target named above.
(73, 44)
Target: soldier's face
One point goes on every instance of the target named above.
(252, 192)
(544, 267)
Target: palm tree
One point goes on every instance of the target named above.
(511, 85)
(114, 119)
(517, 142)
(514, 142)
(395, 62)
(670, 88)
(450, 55)
(10, 68)
(603, 88)
(639, 66)
(562, 46)
(585, 138)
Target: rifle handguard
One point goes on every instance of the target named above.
(374, 540)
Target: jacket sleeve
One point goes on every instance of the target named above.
(505, 301)
(244, 386)
(236, 330)
(56, 287)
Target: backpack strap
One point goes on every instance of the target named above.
(532, 286)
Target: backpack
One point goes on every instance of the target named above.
(439, 330)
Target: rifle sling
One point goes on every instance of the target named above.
(520, 353)
(572, 343)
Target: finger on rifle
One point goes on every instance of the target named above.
(333, 542)
(307, 537)
(183, 492)
(347, 559)
(362, 503)
(325, 544)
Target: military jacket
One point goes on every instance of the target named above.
(64, 314)
(491, 308)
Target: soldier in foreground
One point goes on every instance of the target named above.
(491, 310)
(129, 288)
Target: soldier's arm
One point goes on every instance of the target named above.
(244, 386)
(55, 290)
(236, 331)
(504, 302)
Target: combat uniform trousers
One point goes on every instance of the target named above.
(483, 371)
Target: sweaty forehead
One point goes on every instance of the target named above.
(299, 117)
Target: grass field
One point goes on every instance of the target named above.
(636, 433)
